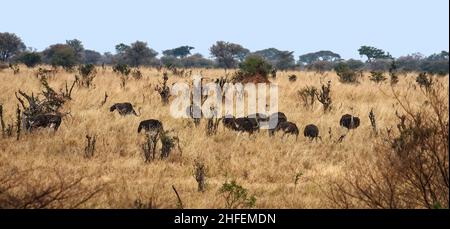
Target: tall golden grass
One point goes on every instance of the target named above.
(266, 166)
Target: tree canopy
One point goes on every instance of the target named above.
(323, 55)
(279, 59)
(373, 53)
(227, 54)
(10, 45)
(180, 52)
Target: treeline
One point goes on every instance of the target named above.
(224, 55)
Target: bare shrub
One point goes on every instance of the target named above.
(43, 73)
(200, 175)
(50, 104)
(15, 68)
(324, 96)
(67, 94)
(308, 96)
(424, 80)
(373, 121)
(297, 179)
(410, 169)
(149, 146)
(89, 149)
(212, 126)
(164, 90)
(168, 143)
(136, 74)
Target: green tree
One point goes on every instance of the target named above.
(10, 45)
(323, 55)
(345, 73)
(170, 61)
(197, 60)
(78, 49)
(254, 65)
(227, 54)
(30, 59)
(121, 48)
(136, 54)
(139, 53)
(236, 196)
(91, 57)
(180, 52)
(60, 55)
(373, 53)
(410, 63)
(355, 65)
(279, 59)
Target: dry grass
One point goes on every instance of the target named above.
(266, 166)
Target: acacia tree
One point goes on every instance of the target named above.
(285, 60)
(373, 53)
(180, 52)
(324, 55)
(279, 59)
(10, 45)
(228, 54)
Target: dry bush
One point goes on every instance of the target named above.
(27, 188)
(51, 103)
(200, 175)
(164, 90)
(89, 149)
(377, 77)
(236, 196)
(15, 68)
(346, 74)
(136, 74)
(149, 146)
(168, 142)
(308, 96)
(410, 169)
(424, 80)
(324, 96)
(43, 73)
(87, 72)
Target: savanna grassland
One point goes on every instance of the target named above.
(281, 172)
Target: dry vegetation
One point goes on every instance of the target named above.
(65, 171)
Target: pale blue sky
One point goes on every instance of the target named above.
(398, 26)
